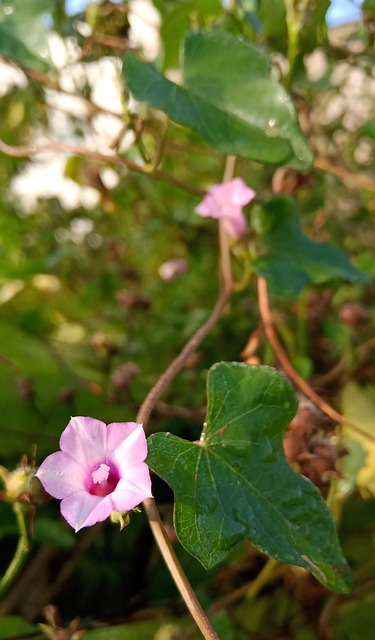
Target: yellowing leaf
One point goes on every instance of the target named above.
(359, 409)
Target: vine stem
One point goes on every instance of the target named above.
(282, 357)
(353, 180)
(225, 258)
(177, 571)
(149, 504)
(21, 550)
(175, 366)
(157, 174)
(147, 407)
(226, 291)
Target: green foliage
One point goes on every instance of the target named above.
(136, 631)
(250, 115)
(53, 534)
(289, 260)
(15, 626)
(23, 33)
(178, 19)
(236, 483)
(88, 324)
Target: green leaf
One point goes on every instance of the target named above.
(178, 20)
(228, 96)
(368, 130)
(14, 626)
(273, 18)
(358, 407)
(289, 259)
(53, 533)
(368, 7)
(236, 483)
(24, 34)
(134, 631)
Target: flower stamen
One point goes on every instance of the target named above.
(101, 473)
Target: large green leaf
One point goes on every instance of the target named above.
(228, 96)
(24, 34)
(289, 259)
(236, 482)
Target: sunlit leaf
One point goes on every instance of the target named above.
(358, 408)
(228, 96)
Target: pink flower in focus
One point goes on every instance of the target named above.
(225, 201)
(99, 469)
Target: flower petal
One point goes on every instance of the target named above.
(241, 193)
(235, 225)
(60, 475)
(132, 449)
(84, 439)
(119, 432)
(83, 509)
(209, 207)
(225, 202)
(133, 489)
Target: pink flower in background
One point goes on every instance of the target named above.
(99, 469)
(172, 269)
(225, 201)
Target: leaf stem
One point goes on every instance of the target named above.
(225, 258)
(263, 578)
(21, 550)
(293, 23)
(282, 357)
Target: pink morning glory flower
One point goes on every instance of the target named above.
(99, 469)
(225, 202)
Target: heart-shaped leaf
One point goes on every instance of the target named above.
(236, 483)
(228, 96)
(289, 259)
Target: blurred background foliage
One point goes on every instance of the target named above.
(88, 320)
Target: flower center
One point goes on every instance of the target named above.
(102, 480)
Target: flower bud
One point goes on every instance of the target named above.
(21, 485)
(120, 517)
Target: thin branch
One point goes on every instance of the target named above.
(52, 83)
(177, 572)
(361, 353)
(109, 41)
(175, 366)
(282, 357)
(353, 180)
(32, 150)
